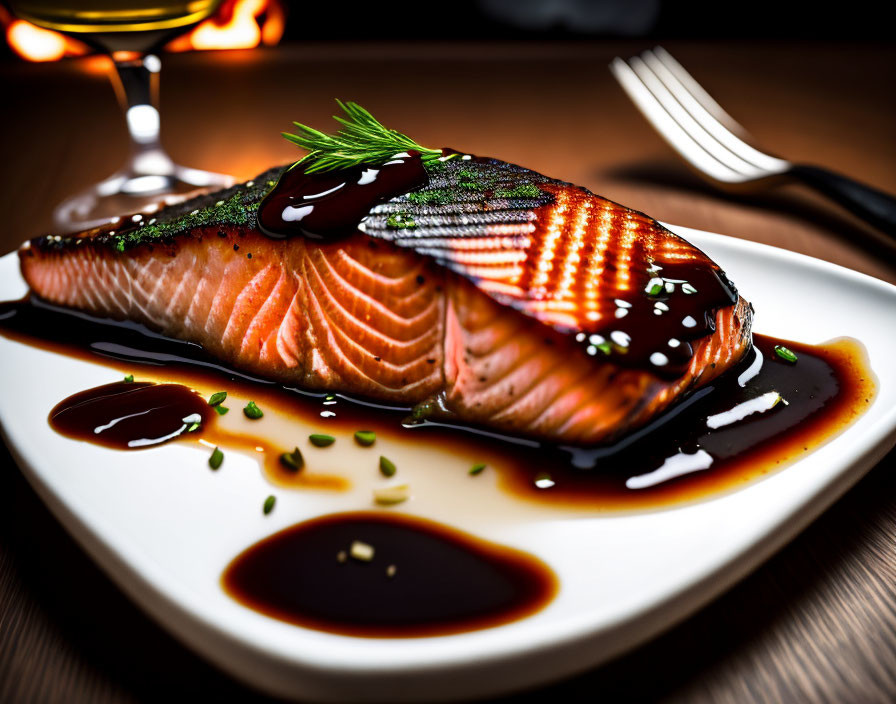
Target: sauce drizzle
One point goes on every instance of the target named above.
(330, 205)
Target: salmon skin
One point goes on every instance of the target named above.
(491, 295)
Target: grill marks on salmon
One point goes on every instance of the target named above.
(482, 313)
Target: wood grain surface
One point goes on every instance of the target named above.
(815, 623)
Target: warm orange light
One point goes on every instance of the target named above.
(37, 44)
(236, 26)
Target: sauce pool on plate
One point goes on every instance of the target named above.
(755, 419)
(387, 575)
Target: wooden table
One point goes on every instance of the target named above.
(815, 623)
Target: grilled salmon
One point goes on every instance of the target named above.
(488, 294)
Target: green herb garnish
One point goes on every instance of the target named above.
(192, 427)
(293, 461)
(252, 411)
(361, 140)
(321, 440)
(216, 398)
(655, 290)
(216, 459)
(524, 190)
(129, 379)
(477, 469)
(387, 467)
(269, 504)
(366, 438)
(221, 410)
(785, 354)
(401, 220)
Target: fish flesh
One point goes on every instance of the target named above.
(489, 295)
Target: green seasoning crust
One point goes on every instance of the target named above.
(456, 181)
(234, 206)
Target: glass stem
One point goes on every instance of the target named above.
(148, 160)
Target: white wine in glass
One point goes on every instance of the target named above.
(128, 30)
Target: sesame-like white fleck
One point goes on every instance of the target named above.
(670, 287)
(390, 495)
(591, 349)
(657, 311)
(674, 342)
(658, 359)
(687, 288)
(661, 305)
(136, 218)
(596, 339)
(361, 551)
(580, 337)
(250, 184)
(621, 312)
(466, 157)
(620, 338)
(622, 304)
(544, 481)
(689, 322)
(327, 414)
(195, 212)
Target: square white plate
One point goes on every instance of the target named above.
(164, 527)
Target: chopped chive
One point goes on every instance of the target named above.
(129, 378)
(269, 504)
(221, 410)
(192, 427)
(321, 440)
(477, 469)
(217, 398)
(387, 467)
(785, 354)
(605, 347)
(365, 438)
(252, 411)
(293, 461)
(655, 289)
(216, 459)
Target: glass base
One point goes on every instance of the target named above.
(129, 192)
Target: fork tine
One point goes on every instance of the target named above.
(687, 122)
(699, 93)
(639, 85)
(670, 73)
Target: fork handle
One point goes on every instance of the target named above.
(870, 204)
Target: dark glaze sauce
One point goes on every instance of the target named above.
(424, 578)
(826, 390)
(130, 415)
(326, 206)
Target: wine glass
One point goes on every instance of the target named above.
(129, 31)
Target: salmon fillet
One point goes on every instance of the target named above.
(493, 296)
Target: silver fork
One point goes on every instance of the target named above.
(710, 140)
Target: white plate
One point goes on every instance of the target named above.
(163, 526)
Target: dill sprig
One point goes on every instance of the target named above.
(362, 140)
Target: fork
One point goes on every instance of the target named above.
(709, 139)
